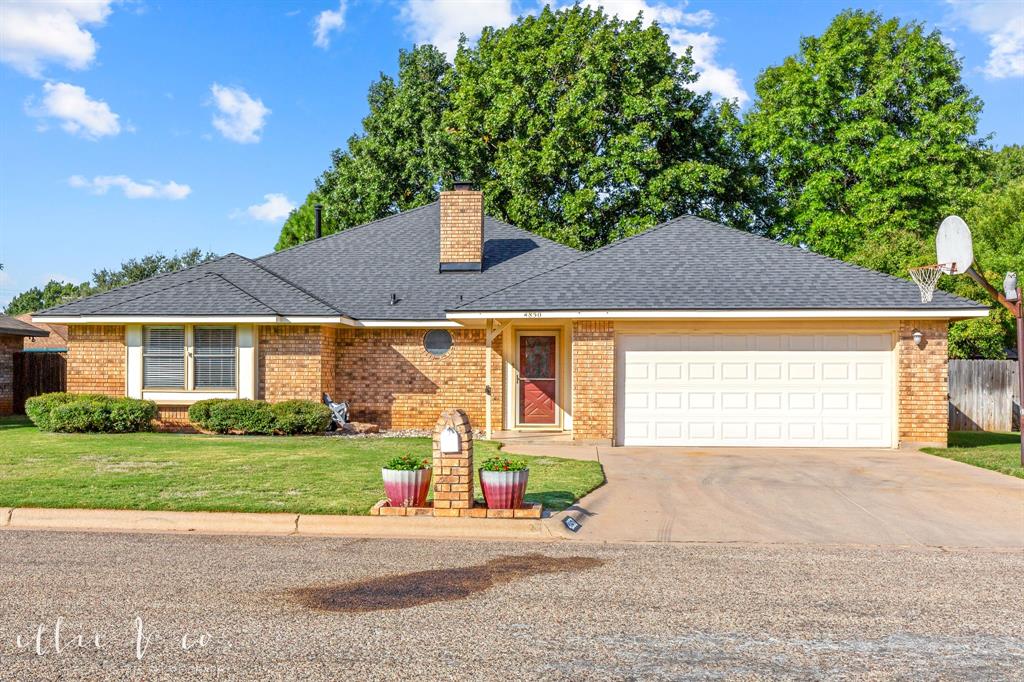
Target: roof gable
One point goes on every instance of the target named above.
(229, 285)
(695, 264)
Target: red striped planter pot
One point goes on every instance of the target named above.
(406, 488)
(504, 489)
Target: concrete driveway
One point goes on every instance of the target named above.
(863, 497)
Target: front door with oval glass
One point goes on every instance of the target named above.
(538, 379)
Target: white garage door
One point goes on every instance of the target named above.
(760, 390)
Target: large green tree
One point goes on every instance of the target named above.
(869, 137)
(577, 125)
(995, 213)
(300, 225)
(132, 270)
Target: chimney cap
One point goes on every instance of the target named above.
(462, 185)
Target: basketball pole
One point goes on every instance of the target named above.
(1020, 372)
(1016, 309)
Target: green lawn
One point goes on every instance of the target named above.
(996, 451)
(311, 475)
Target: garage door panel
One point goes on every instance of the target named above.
(771, 390)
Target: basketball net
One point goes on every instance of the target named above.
(927, 278)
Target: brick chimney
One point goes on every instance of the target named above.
(462, 229)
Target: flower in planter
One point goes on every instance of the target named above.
(504, 482)
(407, 481)
(407, 463)
(503, 464)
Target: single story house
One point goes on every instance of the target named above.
(13, 333)
(692, 333)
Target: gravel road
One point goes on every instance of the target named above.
(641, 611)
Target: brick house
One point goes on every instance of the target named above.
(13, 333)
(691, 333)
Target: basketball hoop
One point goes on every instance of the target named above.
(927, 278)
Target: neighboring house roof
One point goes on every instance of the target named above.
(684, 264)
(58, 338)
(12, 326)
(694, 264)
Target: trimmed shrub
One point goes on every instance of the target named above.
(234, 416)
(80, 413)
(199, 413)
(38, 408)
(301, 416)
(256, 416)
(128, 415)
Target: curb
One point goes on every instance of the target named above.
(123, 520)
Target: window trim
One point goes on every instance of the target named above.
(431, 354)
(189, 360)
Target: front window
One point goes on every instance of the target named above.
(189, 358)
(215, 357)
(163, 357)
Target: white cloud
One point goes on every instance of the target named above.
(77, 113)
(440, 22)
(328, 22)
(677, 23)
(275, 207)
(1002, 24)
(147, 189)
(241, 118)
(34, 33)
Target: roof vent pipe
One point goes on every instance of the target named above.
(318, 211)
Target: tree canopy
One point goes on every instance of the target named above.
(132, 270)
(578, 126)
(869, 137)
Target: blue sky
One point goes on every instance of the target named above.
(133, 127)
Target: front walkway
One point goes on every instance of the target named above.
(820, 496)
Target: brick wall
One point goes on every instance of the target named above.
(392, 381)
(96, 359)
(9, 345)
(462, 226)
(290, 362)
(593, 380)
(923, 391)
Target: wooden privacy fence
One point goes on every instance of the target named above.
(37, 373)
(983, 395)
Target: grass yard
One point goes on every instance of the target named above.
(996, 451)
(179, 472)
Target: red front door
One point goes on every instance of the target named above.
(537, 379)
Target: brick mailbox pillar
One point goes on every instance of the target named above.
(453, 471)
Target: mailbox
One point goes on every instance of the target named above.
(450, 441)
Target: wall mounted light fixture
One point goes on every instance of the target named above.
(918, 337)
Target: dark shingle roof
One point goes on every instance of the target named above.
(694, 264)
(684, 264)
(358, 269)
(230, 285)
(15, 327)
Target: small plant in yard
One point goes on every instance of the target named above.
(503, 464)
(504, 482)
(407, 481)
(407, 463)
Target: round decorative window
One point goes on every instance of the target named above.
(437, 342)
